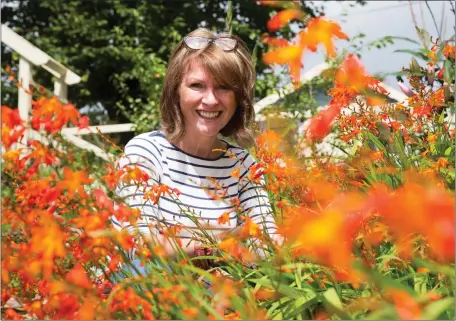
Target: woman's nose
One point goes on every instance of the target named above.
(210, 97)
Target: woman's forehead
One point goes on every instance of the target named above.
(196, 70)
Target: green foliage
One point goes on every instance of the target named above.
(120, 47)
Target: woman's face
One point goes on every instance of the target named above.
(207, 107)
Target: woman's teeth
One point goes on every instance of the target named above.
(209, 115)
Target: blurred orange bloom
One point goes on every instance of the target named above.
(78, 276)
(224, 218)
(321, 31)
(282, 18)
(274, 42)
(74, 181)
(406, 306)
(449, 51)
(320, 124)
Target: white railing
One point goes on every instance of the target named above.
(31, 56)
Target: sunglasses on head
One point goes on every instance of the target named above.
(224, 42)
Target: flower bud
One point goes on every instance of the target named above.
(406, 90)
(414, 66)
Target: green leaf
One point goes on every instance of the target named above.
(400, 148)
(435, 309)
(448, 67)
(405, 38)
(376, 141)
(413, 53)
(333, 298)
(285, 289)
(420, 280)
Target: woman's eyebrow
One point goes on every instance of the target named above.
(194, 79)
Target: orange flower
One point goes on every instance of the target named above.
(265, 294)
(74, 181)
(157, 191)
(320, 124)
(321, 31)
(442, 162)
(407, 308)
(48, 240)
(377, 156)
(11, 314)
(282, 18)
(190, 313)
(233, 247)
(249, 229)
(274, 42)
(12, 126)
(431, 138)
(52, 115)
(291, 55)
(283, 55)
(432, 212)
(449, 51)
(78, 276)
(224, 218)
(236, 173)
(315, 235)
(10, 117)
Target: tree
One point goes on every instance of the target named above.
(120, 47)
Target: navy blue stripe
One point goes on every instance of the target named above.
(156, 133)
(116, 223)
(137, 164)
(199, 165)
(127, 157)
(142, 205)
(255, 206)
(255, 196)
(145, 149)
(194, 216)
(245, 157)
(250, 188)
(169, 147)
(197, 176)
(121, 186)
(261, 214)
(209, 198)
(150, 142)
(197, 207)
(185, 194)
(246, 171)
(200, 187)
(231, 155)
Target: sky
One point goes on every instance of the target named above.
(378, 19)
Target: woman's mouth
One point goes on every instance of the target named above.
(208, 114)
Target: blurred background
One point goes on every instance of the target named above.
(120, 48)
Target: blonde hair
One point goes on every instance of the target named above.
(233, 69)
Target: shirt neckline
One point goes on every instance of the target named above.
(199, 157)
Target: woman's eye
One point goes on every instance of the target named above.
(196, 85)
(223, 87)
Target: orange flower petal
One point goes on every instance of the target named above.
(283, 55)
(282, 18)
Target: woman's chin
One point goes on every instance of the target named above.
(208, 131)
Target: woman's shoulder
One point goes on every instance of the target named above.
(150, 141)
(154, 137)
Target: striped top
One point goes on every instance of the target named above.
(209, 188)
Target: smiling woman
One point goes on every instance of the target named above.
(208, 93)
(209, 72)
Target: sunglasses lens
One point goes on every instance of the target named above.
(196, 42)
(225, 43)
